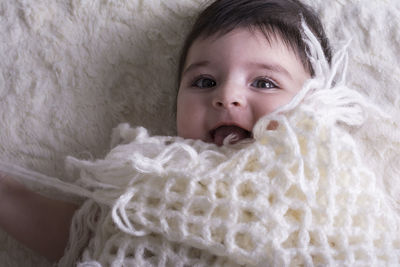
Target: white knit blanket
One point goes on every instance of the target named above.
(298, 195)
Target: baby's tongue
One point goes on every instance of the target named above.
(222, 132)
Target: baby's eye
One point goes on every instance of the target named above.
(264, 83)
(204, 83)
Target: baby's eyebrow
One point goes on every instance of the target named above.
(196, 65)
(271, 67)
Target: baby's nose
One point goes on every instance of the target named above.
(227, 103)
(229, 99)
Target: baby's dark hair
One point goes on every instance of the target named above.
(274, 18)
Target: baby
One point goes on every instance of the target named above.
(242, 60)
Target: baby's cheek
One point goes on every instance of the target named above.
(184, 128)
(264, 106)
(189, 123)
(271, 102)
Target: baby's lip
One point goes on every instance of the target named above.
(222, 130)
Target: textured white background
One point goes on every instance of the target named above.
(71, 70)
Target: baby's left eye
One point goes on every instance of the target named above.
(264, 84)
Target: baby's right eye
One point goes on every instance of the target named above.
(204, 82)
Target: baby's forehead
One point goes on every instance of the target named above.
(272, 36)
(270, 33)
(243, 50)
(269, 36)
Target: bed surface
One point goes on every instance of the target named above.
(71, 70)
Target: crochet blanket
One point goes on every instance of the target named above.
(297, 196)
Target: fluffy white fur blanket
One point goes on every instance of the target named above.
(71, 70)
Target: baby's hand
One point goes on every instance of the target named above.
(6, 183)
(38, 222)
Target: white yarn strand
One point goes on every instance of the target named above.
(18, 172)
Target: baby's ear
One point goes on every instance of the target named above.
(273, 125)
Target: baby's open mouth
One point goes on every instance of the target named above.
(235, 134)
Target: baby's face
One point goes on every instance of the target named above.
(230, 81)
